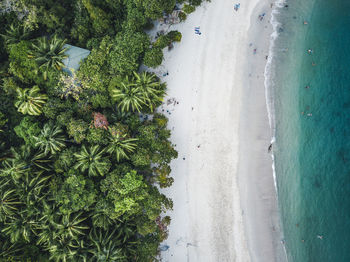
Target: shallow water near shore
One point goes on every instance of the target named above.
(312, 149)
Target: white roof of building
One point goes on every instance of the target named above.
(75, 55)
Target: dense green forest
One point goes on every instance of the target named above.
(83, 154)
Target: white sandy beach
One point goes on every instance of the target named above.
(224, 198)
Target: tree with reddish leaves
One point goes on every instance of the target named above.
(100, 121)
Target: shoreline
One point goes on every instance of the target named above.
(256, 178)
(213, 219)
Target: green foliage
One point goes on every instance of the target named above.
(81, 29)
(101, 21)
(76, 193)
(64, 160)
(130, 195)
(105, 246)
(128, 97)
(195, 2)
(162, 176)
(70, 86)
(9, 202)
(174, 36)
(30, 101)
(135, 19)
(48, 54)
(15, 34)
(92, 160)
(3, 121)
(72, 190)
(28, 129)
(188, 9)
(77, 129)
(182, 16)
(165, 40)
(153, 57)
(127, 52)
(97, 136)
(50, 139)
(143, 90)
(120, 144)
(154, 8)
(162, 41)
(20, 66)
(10, 85)
(53, 106)
(95, 85)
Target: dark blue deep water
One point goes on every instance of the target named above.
(312, 150)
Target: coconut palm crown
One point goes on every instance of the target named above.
(30, 101)
(50, 139)
(120, 145)
(92, 160)
(142, 90)
(127, 96)
(49, 53)
(151, 90)
(15, 34)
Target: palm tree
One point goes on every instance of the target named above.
(92, 160)
(12, 168)
(8, 203)
(32, 188)
(101, 219)
(152, 90)
(10, 250)
(106, 246)
(30, 101)
(47, 231)
(50, 139)
(70, 226)
(26, 155)
(61, 235)
(120, 145)
(19, 227)
(49, 53)
(127, 96)
(64, 250)
(15, 34)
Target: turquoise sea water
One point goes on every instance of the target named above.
(312, 152)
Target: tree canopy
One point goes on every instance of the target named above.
(80, 169)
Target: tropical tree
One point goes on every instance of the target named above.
(30, 101)
(50, 139)
(12, 168)
(77, 193)
(142, 90)
(120, 145)
(153, 57)
(127, 95)
(64, 249)
(19, 228)
(105, 246)
(150, 88)
(49, 53)
(25, 154)
(10, 250)
(32, 188)
(8, 202)
(101, 219)
(92, 160)
(15, 34)
(70, 226)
